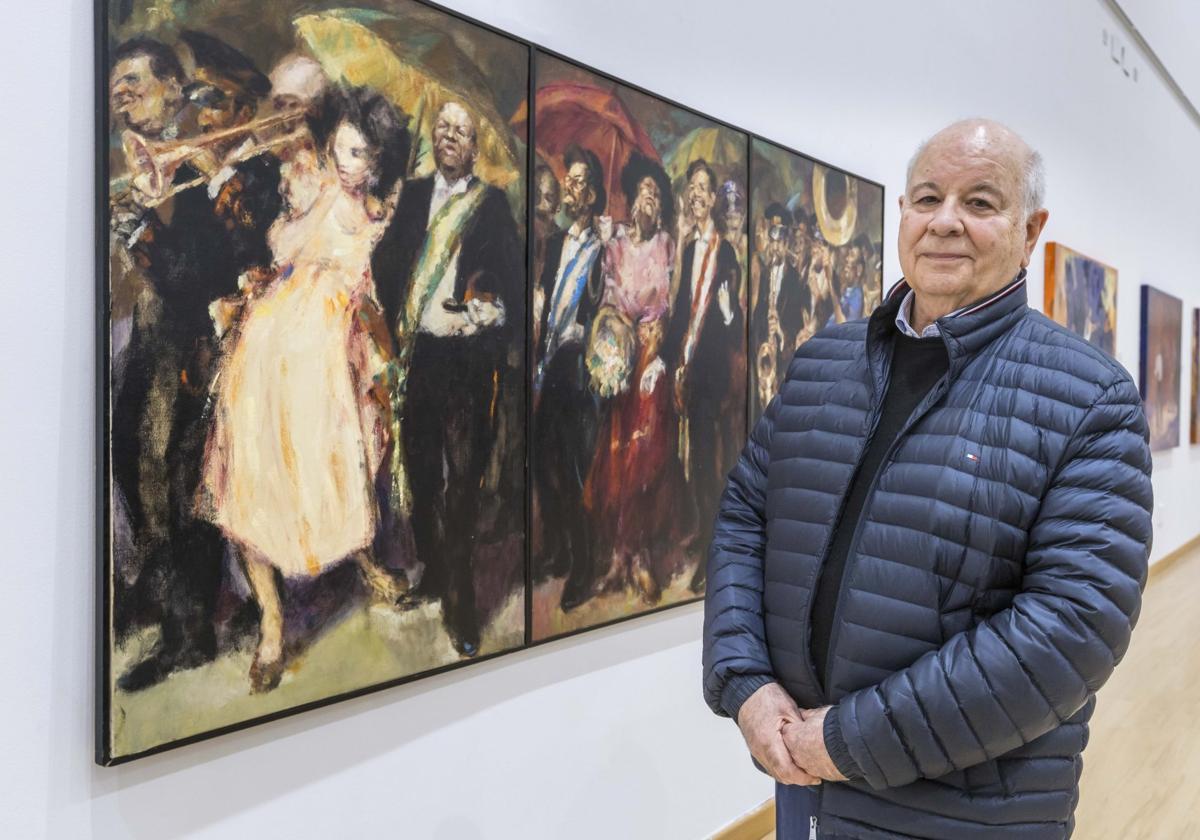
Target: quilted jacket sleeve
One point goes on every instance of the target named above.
(1026, 669)
(736, 663)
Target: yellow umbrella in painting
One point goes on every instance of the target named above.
(371, 51)
(723, 150)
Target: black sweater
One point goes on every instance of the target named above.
(917, 365)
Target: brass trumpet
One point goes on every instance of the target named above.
(152, 165)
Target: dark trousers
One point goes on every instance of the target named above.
(180, 577)
(795, 809)
(705, 479)
(564, 439)
(447, 442)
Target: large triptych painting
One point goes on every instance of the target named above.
(1081, 294)
(418, 345)
(316, 336)
(639, 344)
(1161, 360)
(816, 257)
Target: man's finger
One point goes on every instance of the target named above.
(788, 771)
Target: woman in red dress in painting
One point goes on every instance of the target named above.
(627, 492)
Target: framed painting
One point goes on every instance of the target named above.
(1161, 359)
(638, 344)
(313, 258)
(1195, 413)
(1081, 294)
(815, 256)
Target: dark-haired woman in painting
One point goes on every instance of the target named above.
(299, 425)
(627, 493)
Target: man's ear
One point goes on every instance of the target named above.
(1033, 230)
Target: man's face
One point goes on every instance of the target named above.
(222, 109)
(777, 236)
(454, 141)
(853, 272)
(546, 195)
(701, 195)
(145, 102)
(801, 243)
(577, 194)
(647, 206)
(962, 228)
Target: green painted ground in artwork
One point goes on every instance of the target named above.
(371, 645)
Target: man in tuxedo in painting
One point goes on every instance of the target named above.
(778, 304)
(565, 417)
(448, 273)
(704, 342)
(190, 249)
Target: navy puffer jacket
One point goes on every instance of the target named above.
(992, 584)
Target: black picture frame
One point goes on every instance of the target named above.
(103, 755)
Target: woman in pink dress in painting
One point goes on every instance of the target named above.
(628, 486)
(299, 425)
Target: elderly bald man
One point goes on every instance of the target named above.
(930, 555)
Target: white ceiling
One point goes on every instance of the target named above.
(1172, 29)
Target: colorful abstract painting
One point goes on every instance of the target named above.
(639, 379)
(1161, 362)
(1081, 294)
(816, 257)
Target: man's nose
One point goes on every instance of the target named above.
(947, 219)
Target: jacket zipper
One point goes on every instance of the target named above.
(812, 828)
(921, 410)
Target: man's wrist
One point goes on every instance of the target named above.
(835, 745)
(738, 690)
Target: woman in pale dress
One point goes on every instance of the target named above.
(299, 423)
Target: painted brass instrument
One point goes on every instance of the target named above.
(152, 164)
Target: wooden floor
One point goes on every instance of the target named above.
(1141, 769)
(1141, 776)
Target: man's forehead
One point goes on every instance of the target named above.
(992, 166)
(452, 112)
(138, 63)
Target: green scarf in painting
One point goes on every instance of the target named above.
(442, 241)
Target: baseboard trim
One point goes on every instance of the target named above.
(1170, 558)
(752, 825)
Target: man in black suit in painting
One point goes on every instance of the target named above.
(191, 249)
(704, 343)
(448, 276)
(565, 417)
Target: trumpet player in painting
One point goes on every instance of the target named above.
(189, 223)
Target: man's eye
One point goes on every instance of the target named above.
(927, 199)
(980, 204)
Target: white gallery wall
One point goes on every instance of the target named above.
(600, 736)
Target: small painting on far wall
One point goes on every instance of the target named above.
(1081, 294)
(1195, 436)
(1161, 359)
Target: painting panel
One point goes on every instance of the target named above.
(639, 345)
(1081, 294)
(816, 257)
(1195, 424)
(315, 389)
(1161, 361)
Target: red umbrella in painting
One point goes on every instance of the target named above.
(597, 120)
